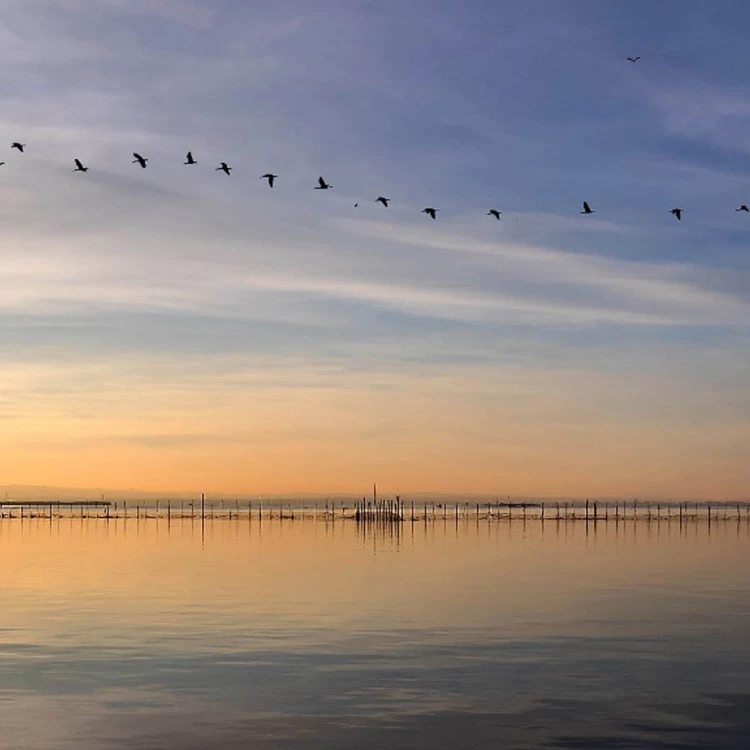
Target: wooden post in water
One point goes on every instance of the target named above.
(203, 506)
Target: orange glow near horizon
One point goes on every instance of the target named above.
(522, 432)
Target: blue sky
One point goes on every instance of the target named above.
(525, 107)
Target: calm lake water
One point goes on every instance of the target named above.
(311, 634)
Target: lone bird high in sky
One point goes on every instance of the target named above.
(677, 213)
(744, 208)
(634, 59)
(79, 166)
(138, 159)
(430, 212)
(270, 177)
(18, 146)
(381, 199)
(494, 212)
(322, 184)
(586, 208)
(189, 158)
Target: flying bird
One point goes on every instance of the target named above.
(586, 208)
(322, 184)
(356, 204)
(79, 166)
(19, 146)
(382, 200)
(744, 208)
(494, 212)
(224, 167)
(677, 212)
(633, 59)
(430, 212)
(2, 163)
(139, 160)
(270, 177)
(189, 158)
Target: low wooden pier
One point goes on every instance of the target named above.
(379, 511)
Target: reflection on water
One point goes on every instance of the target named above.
(305, 634)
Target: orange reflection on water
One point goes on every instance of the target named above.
(95, 579)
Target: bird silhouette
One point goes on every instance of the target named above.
(586, 208)
(189, 158)
(744, 208)
(633, 59)
(494, 212)
(270, 177)
(19, 146)
(2, 163)
(430, 212)
(223, 168)
(677, 213)
(382, 200)
(139, 160)
(356, 204)
(322, 184)
(79, 166)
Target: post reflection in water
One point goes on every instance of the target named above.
(196, 631)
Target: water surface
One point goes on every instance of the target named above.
(307, 634)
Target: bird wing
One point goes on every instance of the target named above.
(321, 182)
(586, 206)
(78, 163)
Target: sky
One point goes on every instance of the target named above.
(175, 329)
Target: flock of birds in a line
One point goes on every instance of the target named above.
(323, 185)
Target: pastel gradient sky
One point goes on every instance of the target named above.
(176, 329)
